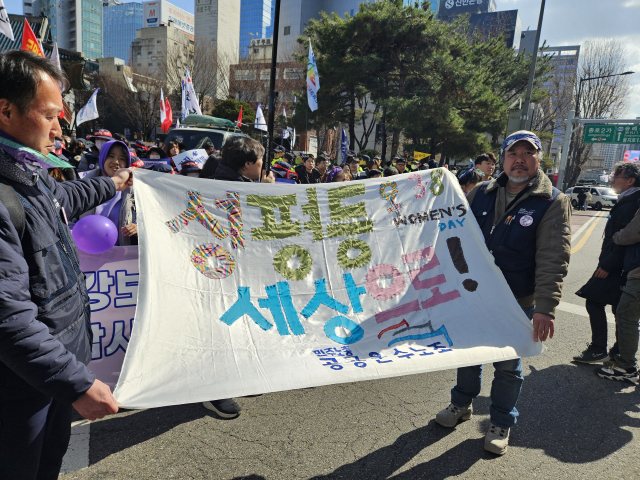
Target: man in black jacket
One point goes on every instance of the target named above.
(604, 288)
(45, 333)
(307, 173)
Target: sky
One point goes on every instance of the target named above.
(566, 22)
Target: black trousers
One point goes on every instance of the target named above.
(34, 436)
(598, 319)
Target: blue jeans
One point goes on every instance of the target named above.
(505, 389)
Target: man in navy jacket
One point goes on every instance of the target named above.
(45, 326)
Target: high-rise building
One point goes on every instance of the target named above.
(255, 19)
(119, 25)
(75, 24)
(494, 24)
(158, 12)
(453, 8)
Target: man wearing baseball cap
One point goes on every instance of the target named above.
(526, 224)
(91, 159)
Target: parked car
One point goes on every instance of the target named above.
(600, 196)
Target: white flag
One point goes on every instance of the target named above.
(55, 56)
(190, 98)
(260, 124)
(184, 108)
(89, 111)
(284, 111)
(177, 123)
(293, 138)
(163, 113)
(5, 24)
(313, 80)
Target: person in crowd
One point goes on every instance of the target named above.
(374, 173)
(190, 169)
(389, 172)
(121, 209)
(45, 328)
(401, 165)
(424, 165)
(242, 159)
(60, 174)
(526, 223)
(283, 172)
(91, 159)
(582, 198)
(337, 175)
(373, 164)
(323, 165)
(486, 165)
(210, 165)
(208, 147)
(156, 153)
(307, 173)
(355, 171)
(588, 199)
(432, 163)
(121, 137)
(468, 179)
(604, 286)
(172, 148)
(622, 367)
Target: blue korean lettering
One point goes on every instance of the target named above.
(243, 306)
(127, 287)
(118, 339)
(96, 346)
(323, 298)
(338, 321)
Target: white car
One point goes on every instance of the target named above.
(600, 196)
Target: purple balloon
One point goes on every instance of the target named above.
(95, 234)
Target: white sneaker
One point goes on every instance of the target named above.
(450, 416)
(497, 440)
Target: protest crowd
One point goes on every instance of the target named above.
(50, 181)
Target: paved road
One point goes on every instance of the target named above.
(572, 424)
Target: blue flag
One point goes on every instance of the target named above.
(344, 146)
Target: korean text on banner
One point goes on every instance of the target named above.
(251, 288)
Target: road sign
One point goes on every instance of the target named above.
(612, 133)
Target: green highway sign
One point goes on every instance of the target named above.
(612, 133)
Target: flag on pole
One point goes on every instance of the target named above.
(30, 42)
(313, 80)
(260, 124)
(163, 113)
(184, 109)
(55, 55)
(177, 123)
(344, 146)
(293, 138)
(284, 111)
(239, 122)
(190, 98)
(89, 111)
(5, 24)
(168, 113)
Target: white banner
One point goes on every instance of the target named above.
(250, 288)
(198, 156)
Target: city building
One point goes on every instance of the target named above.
(75, 24)
(260, 51)
(605, 154)
(120, 22)
(160, 12)
(256, 16)
(453, 8)
(155, 49)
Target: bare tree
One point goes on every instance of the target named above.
(600, 98)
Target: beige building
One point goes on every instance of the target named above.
(260, 50)
(217, 26)
(157, 50)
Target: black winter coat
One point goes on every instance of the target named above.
(225, 173)
(612, 255)
(45, 326)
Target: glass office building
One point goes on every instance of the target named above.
(256, 20)
(120, 23)
(91, 28)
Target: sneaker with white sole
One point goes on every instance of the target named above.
(497, 440)
(592, 355)
(450, 416)
(611, 371)
(225, 408)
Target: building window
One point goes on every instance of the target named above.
(158, 41)
(293, 74)
(245, 75)
(287, 30)
(119, 68)
(149, 53)
(256, 50)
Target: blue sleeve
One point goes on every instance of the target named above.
(79, 196)
(26, 346)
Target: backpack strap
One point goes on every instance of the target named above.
(11, 201)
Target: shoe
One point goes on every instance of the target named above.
(450, 416)
(592, 355)
(225, 408)
(614, 351)
(611, 371)
(497, 440)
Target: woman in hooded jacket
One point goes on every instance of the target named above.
(121, 208)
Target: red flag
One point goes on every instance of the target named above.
(239, 117)
(30, 42)
(168, 116)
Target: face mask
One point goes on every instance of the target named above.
(100, 143)
(154, 156)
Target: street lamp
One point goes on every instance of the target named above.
(577, 112)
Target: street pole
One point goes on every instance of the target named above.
(272, 86)
(565, 149)
(524, 119)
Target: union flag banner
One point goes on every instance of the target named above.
(30, 42)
